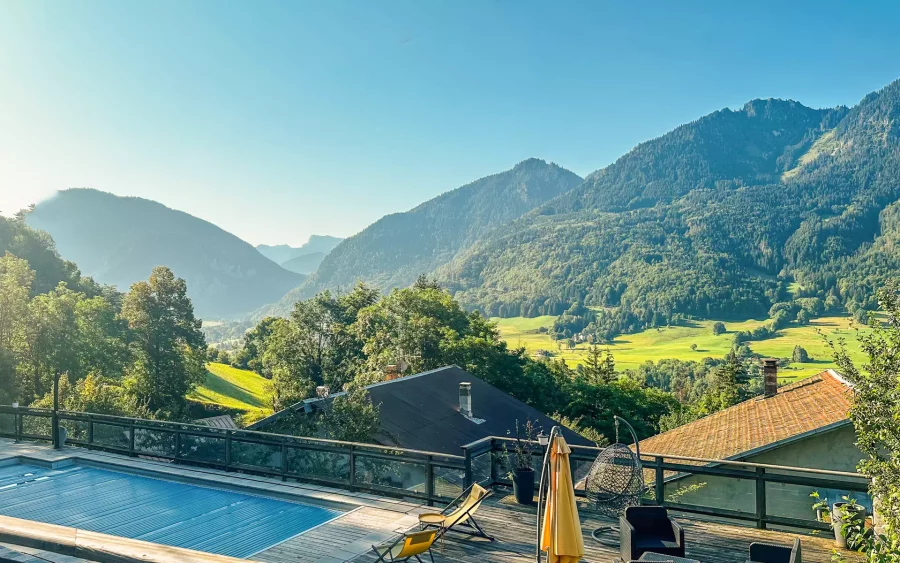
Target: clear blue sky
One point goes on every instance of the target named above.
(279, 119)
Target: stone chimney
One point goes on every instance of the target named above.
(465, 399)
(770, 377)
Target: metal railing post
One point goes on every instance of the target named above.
(467, 480)
(284, 463)
(494, 476)
(352, 466)
(54, 416)
(17, 422)
(429, 479)
(131, 439)
(227, 449)
(761, 498)
(90, 436)
(660, 485)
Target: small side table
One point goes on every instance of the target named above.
(433, 520)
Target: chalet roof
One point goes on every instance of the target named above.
(818, 403)
(421, 412)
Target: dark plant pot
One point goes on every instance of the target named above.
(523, 485)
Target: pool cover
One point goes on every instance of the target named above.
(154, 510)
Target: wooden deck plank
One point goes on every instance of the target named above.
(514, 529)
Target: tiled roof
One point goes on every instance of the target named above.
(808, 405)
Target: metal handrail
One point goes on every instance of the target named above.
(758, 465)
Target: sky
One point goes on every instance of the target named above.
(276, 120)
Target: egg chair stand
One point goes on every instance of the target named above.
(615, 482)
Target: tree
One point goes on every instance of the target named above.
(800, 355)
(718, 328)
(411, 326)
(599, 367)
(95, 394)
(352, 417)
(283, 363)
(251, 353)
(102, 341)
(49, 341)
(15, 285)
(729, 381)
(875, 413)
(596, 405)
(694, 347)
(168, 347)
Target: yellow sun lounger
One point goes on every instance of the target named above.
(460, 513)
(407, 546)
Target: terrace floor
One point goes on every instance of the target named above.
(514, 528)
(375, 518)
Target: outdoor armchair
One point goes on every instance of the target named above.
(770, 553)
(649, 528)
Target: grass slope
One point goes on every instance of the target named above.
(631, 350)
(234, 388)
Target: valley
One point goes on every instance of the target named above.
(655, 344)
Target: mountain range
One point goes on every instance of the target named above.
(396, 249)
(721, 217)
(119, 240)
(302, 259)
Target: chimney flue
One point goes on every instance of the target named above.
(465, 399)
(770, 377)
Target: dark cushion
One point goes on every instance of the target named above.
(648, 518)
(656, 544)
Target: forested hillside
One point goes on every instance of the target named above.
(119, 240)
(396, 249)
(136, 353)
(714, 219)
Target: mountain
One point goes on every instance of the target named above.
(305, 263)
(721, 217)
(277, 253)
(119, 240)
(396, 249)
(282, 253)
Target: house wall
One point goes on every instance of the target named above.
(833, 450)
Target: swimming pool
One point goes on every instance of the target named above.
(154, 510)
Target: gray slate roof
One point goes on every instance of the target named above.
(422, 412)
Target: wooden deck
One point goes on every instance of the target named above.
(514, 529)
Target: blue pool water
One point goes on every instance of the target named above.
(158, 511)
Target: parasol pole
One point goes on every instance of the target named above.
(545, 469)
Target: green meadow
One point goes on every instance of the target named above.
(236, 389)
(631, 350)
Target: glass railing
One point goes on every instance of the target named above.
(766, 495)
(423, 475)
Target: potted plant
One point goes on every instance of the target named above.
(519, 462)
(848, 518)
(821, 507)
